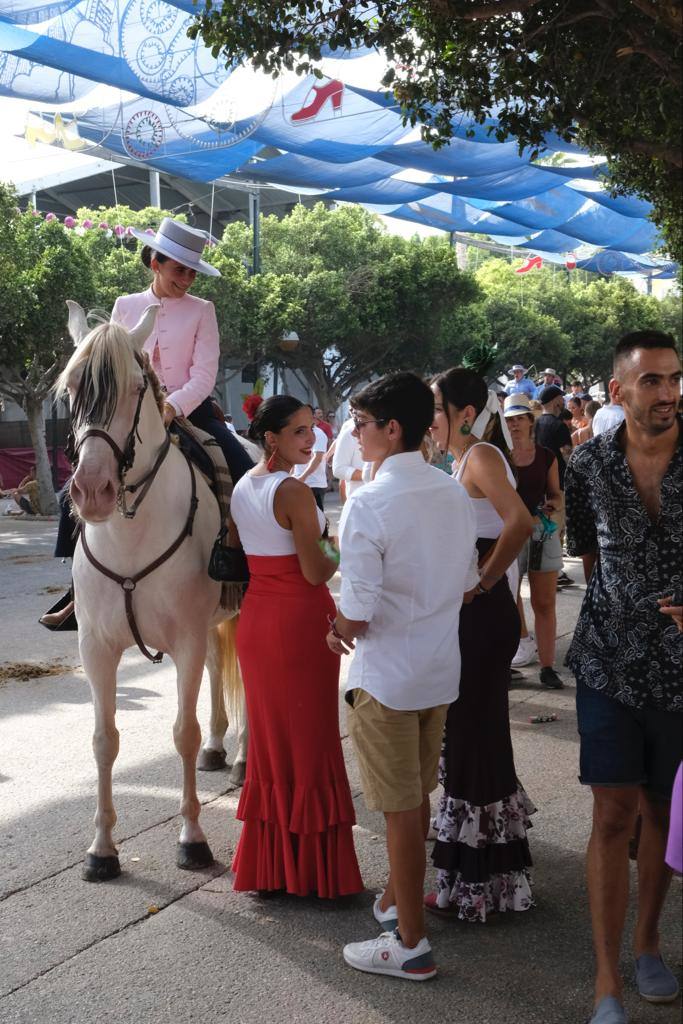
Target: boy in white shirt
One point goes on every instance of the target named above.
(408, 557)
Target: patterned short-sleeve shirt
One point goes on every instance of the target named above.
(622, 644)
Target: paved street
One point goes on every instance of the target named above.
(162, 945)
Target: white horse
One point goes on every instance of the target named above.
(141, 577)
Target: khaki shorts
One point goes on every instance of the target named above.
(398, 751)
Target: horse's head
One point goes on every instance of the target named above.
(106, 383)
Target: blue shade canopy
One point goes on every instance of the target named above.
(55, 51)
(170, 105)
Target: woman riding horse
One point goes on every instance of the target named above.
(183, 349)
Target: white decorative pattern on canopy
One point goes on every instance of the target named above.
(172, 106)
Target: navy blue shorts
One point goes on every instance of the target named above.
(622, 746)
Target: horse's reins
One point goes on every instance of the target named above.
(125, 461)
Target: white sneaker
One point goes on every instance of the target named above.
(388, 955)
(526, 652)
(387, 918)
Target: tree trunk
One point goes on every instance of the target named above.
(328, 399)
(36, 426)
(461, 255)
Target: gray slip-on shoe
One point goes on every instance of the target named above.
(609, 1011)
(654, 980)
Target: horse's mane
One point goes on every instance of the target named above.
(107, 357)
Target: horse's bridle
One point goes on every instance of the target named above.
(125, 460)
(126, 457)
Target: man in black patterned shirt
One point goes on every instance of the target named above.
(623, 501)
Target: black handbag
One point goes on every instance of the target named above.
(226, 564)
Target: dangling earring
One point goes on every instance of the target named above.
(465, 428)
(270, 464)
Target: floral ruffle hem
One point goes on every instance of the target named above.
(483, 857)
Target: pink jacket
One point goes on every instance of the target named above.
(185, 337)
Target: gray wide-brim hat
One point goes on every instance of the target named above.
(180, 243)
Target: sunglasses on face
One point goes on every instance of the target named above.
(359, 424)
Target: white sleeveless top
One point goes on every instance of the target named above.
(489, 523)
(251, 507)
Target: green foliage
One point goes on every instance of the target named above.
(41, 265)
(615, 308)
(604, 71)
(671, 313)
(565, 319)
(360, 300)
(117, 267)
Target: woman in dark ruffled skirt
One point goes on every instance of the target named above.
(481, 849)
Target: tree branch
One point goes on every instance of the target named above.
(656, 149)
(362, 374)
(15, 394)
(670, 13)
(485, 11)
(12, 386)
(671, 71)
(543, 30)
(668, 155)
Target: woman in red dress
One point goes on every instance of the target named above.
(296, 803)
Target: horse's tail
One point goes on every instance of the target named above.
(233, 689)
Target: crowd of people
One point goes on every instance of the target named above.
(430, 566)
(429, 606)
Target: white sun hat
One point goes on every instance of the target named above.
(180, 243)
(516, 405)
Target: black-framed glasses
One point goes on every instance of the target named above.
(359, 424)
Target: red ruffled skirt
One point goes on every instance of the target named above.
(296, 803)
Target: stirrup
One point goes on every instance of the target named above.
(69, 624)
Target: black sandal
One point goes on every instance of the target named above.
(67, 624)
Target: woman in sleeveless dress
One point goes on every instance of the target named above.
(538, 485)
(296, 803)
(481, 849)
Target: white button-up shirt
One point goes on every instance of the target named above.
(408, 554)
(318, 478)
(607, 418)
(347, 458)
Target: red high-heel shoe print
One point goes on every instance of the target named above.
(334, 90)
(530, 263)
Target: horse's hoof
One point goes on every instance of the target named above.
(100, 869)
(211, 760)
(194, 856)
(238, 773)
